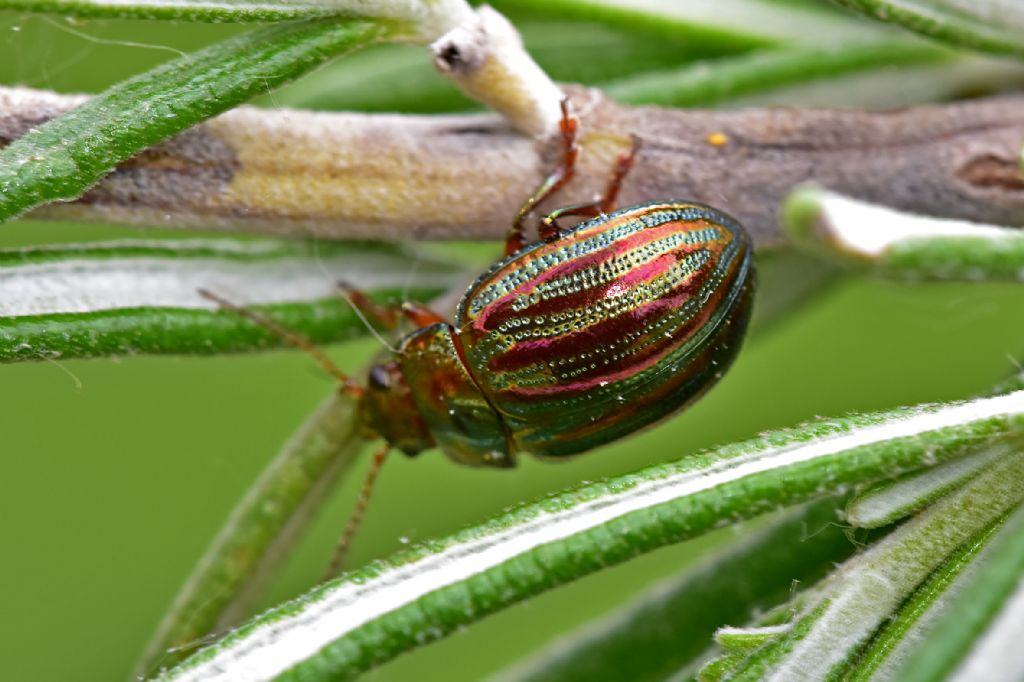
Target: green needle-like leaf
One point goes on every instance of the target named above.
(711, 82)
(142, 296)
(915, 618)
(862, 595)
(894, 500)
(980, 24)
(401, 77)
(974, 611)
(661, 632)
(747, 24)
(62, 158)
(177, 10)
(258, 535)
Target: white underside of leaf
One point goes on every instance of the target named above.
(89, 285)
(891, 668)
(889, 503)
(869, 587)
(868, 230)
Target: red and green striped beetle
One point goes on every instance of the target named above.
(579, 339)
(574, 341)
(570, 344)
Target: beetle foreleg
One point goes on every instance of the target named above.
(356, 519)
(605, 203)
(420, 315)
(384, 315)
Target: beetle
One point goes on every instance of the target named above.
(567, 343)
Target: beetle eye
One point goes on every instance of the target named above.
(379, 378)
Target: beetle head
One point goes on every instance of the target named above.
(387, 409)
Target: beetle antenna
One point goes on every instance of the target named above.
(359, 313)
(346, 292)
(293, 338)
(356, 519)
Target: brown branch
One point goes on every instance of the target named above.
(396, 177)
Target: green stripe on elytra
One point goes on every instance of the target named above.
(599, 241)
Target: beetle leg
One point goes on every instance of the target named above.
(604, 203)
(356, 519)
(516, 238)
(549, 228)
(388, 315)
(293, 338)
(624, 164)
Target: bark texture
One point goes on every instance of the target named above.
(443, 177)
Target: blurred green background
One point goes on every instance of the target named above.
(115, 474)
